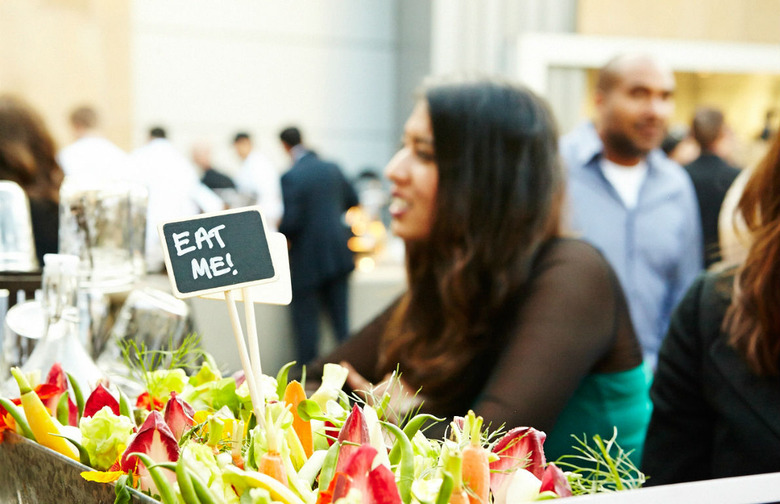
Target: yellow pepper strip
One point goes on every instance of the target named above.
(102, 476)
(41, 423)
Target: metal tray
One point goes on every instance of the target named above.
(33, 474)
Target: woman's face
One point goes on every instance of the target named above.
(415, 178)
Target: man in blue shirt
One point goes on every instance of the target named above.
(629, 200)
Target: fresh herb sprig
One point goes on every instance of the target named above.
(603, 468)
(141, 360)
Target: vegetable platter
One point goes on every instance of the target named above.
(193, 437)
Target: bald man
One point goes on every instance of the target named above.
(629, 200)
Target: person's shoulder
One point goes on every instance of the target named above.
(575, 253)
(580, 144)
(717, 283)
(706, 301)
(673, 175)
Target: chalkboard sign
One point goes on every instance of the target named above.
(217, 252)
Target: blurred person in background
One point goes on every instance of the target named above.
(372, 194)
(214, 179)
(92, 155)
(175, 190)
(316, 195)
(679, 146)
(28, 158)
(477, 191)
(711, 174)
(734, 240)
(716, 393)
(210, 176)
(259, 179)
(629, 200)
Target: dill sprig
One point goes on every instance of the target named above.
(141, 361)
(395, 403)
(603, 468)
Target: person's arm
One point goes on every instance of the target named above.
(566, 325)
(678, 443)
(294, 203)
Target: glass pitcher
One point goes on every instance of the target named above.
(61, 342)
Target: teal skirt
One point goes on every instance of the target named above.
(604, 402)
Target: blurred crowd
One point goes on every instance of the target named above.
(624, 274)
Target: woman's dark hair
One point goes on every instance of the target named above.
(27, 151)
(498, 201)
(753, 319)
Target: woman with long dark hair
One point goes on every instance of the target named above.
(502, 315)
(716, 394)
(28, 157)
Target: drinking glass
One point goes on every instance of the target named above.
(17, 246)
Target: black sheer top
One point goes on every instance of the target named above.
(572, 320)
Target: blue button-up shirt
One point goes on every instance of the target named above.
(655, 247)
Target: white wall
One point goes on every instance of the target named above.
(206, 69)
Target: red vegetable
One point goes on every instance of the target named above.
(156, 440)
(377, 486)
(555, 481)
(331, 431)
(149, 403)
(179, 415)
(99, 398)
(353, 434)
(520, 447)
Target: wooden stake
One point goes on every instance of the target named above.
(257, 405)
(254, 345)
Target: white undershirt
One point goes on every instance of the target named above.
(625, 179)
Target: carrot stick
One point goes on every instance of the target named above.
(294, 395)
(476, 466)
(271, 464)
(459, 497)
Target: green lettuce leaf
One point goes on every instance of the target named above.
(105, 436)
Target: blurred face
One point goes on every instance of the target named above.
(415, 177)
(243, 148)
(635, 112)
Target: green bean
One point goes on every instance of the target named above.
(407, 462)
(329, 466)
(281, 379)
(18, 417)
(167, 495)
(185, 483)
(62, 411)
(122, 492)
(411, 428)
(83, 453)
(445, 490)
(205, 495)
(125, 408)
(77, 395)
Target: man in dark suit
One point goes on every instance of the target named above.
(711, 175)
(316, 194)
